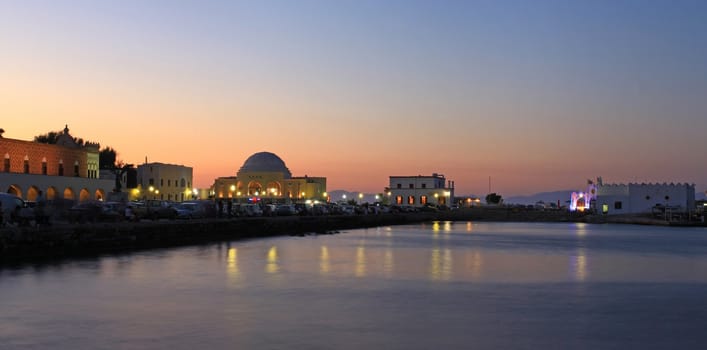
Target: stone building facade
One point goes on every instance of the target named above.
(169, 182)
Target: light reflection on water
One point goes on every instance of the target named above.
(490, 285)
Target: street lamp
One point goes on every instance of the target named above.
(360, 198)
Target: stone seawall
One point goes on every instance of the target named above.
(64, 240)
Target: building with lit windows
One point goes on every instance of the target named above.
(66, 169)
(264, 176)
(169, 182)
(418, 191)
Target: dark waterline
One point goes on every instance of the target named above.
(460, 284)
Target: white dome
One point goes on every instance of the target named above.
(265, 162)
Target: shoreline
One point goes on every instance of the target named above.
(64, 240)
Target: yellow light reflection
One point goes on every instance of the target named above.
(361, 262)
(469, 226)
(388, 262)
(580, 264)
(581, 229)
(447, 226)
(435, 265)
(447, 265)
(435, 226)
(272, 263)
(476, 264)
(324, 266)
(232, 263)
(441, 264)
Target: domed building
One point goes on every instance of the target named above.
(264, 176)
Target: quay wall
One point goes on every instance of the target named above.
(64, 240)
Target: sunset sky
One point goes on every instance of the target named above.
(537, 95)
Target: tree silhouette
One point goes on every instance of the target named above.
(107, 158)
(493, 198)
(53, 136)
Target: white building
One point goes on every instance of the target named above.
(634, 198)
(420, 190)
(163, 181)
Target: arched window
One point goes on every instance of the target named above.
(44, 166)
(6, 165)
(183, 183)
(61, 167)
(26, 165)
(76, 168)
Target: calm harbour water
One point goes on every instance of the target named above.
(446, 284)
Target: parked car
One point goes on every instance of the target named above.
(251, 210)
(113, 211)
(347, 209)
(154, 209)
(11, 207)
(190, 210)
(85, 212)
(286, 210)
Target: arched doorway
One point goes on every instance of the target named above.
(100, 195)
(69, 193)
(84, 195)
(274, 189)
(581, 203)
(254, 187)
(51, 193)
(32, 193)
(16, 190)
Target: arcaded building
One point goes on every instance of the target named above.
(63, 170)
(264, 176)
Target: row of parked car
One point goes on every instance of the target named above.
(17, 210)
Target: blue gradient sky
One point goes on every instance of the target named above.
(539, 95)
